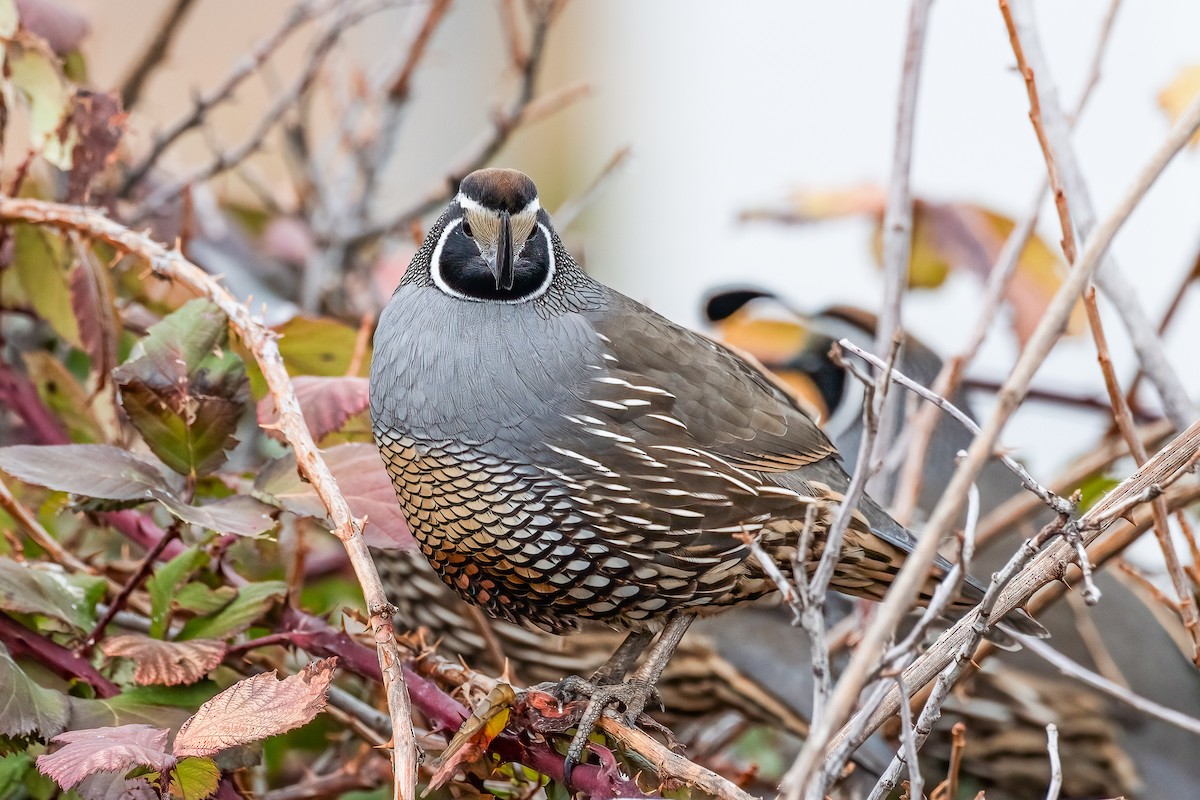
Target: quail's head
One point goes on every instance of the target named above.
(496, 244)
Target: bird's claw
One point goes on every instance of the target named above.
(631, 696)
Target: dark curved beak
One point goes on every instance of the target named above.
(504, 268)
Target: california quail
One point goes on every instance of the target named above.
(562, 452)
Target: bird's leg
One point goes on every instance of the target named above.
(622, 660)
(633, 693)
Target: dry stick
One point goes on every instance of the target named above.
(131, 87)
(30, 523)
(1188, 610)
(1074, 669)
(1056, 503)
(904, 588)
(908, 488)
(1024, 44)
(1054, 135)
(933, 706)
(898, 213)
(521, 109)
(301, 13)
(260, 340)
(1167, 466)
(1185, 283)
(283, 103)
(396, 99)
(1056, 773)
(574, 206)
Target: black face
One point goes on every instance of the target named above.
(468, 272)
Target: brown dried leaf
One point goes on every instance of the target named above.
(165, 663)
(117, 749)
(476, 734)
(99, 122)
(327, 404)
(255, 709)
(94, 304)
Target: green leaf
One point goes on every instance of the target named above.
(198, 598)
(27, 589)
(14, 766)
(92, 470)
(195, 778)
(35, 78)
(318, 347)
(252, 601)
(184, 389)
(40, 261)
(27, 708)
(163, 584)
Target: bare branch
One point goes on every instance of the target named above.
(301, 13)
(950, 376)
(904, 587)
(1074, 669)
(1056, 774)
(131, 87)
(1066, 177)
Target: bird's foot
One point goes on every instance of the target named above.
(630, 697)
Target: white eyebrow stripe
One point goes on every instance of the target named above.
(468, 204)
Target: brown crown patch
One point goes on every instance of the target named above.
(500, 189)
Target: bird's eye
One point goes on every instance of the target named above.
(466, 228)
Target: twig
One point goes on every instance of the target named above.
(1056, 774)
(520, 110)
(904, 587)
(167, 27)
(908, 486)
(23, 642)
(1057, 504)
(1189, 612)
(283, 103)
(573, 207)
(898, 212)
(908, 743)
(1168, 465)
(1179, 407)
(1115, 690)
(301, 13)
(260, 341)
(135, 580)
(1067, 178)
(29, 522)
(1186, 282)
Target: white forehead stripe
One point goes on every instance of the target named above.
(468, 204)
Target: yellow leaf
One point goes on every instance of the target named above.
(1179, 93)
(35, 79)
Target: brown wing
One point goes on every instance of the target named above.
(714, 399)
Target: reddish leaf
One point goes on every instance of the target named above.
(91, 470)
(105, 750)
(93, 302)
(109, 786)
(363, 481)
(255, 709)
(476, 734)
(99, 122)
(166, 663)
(327, 404)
